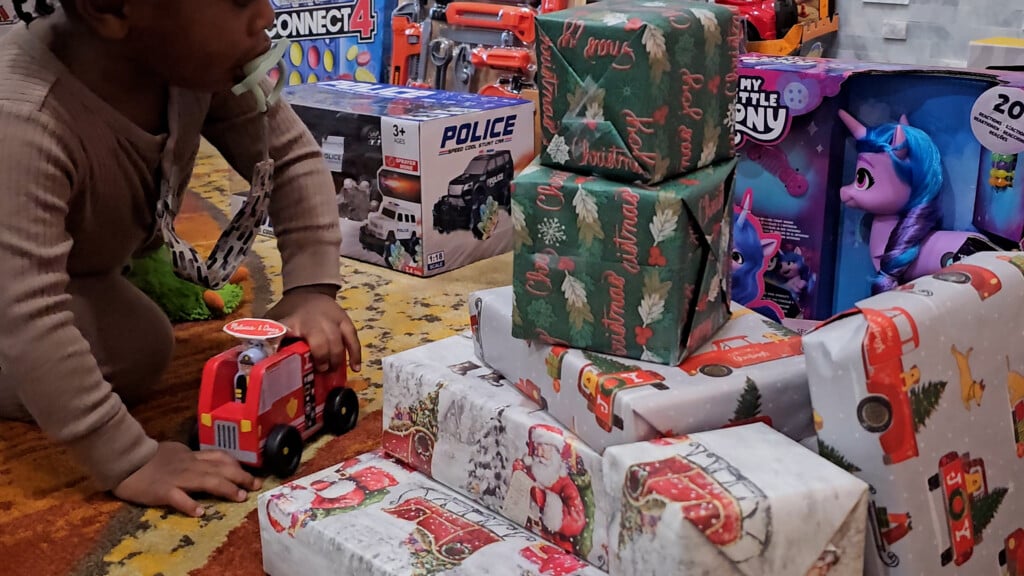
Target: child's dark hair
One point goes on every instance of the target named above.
(41, 8)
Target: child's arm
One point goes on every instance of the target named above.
(304, 213)
(42, 353)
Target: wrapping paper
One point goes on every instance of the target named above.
(637, 91)
(372, 516)
(740, 501)
(920, 392)
(452, 418)
(753, 369)
(635, 271)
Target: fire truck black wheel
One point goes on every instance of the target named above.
(283, 451)
(341, 411)
(1002, 557)
(933, 482)
(947, 557)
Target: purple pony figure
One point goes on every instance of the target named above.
(898, 178)
(751, 252)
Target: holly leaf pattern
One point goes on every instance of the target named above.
(712, 133)
(595, 111)
(520, 234)
(587, 218)
(712, 31)
(654, 285)
(576, 302)
(657, 55)
(666, 217)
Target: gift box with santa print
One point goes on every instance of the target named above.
(372, 516)
(919, 391)
(637, 91)
(740, 501)
(753, 369)
(634, 271)
(450, 417)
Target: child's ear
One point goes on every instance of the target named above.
(108, 18)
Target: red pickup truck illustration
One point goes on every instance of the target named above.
(1011, 557)
(884, 407)
(739, 352)
(963, 481)
(600, 389)
(452, 537)
(984, 281)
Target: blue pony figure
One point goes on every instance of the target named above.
(898, 179)
(751, 252)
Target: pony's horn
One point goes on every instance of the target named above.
(904, 120)
(856, 128)
(899, 141)
(748, 197)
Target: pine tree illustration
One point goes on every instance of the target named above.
(489, 463)
(608, 365)
(983, 509)
(748, 405)
(829, 452)
(924, 399)
(779, 328)
(424, 412)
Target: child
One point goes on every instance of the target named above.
(102, 106)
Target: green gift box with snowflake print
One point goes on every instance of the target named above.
(637, 90)
(631, 270)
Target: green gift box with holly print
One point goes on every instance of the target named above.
(630, 270)
(635, 90)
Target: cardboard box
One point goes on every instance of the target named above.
(740, 501)
(630, 270)
(807, 252)
(919, 392)
(451, 417)
(996, 53)
(423, 177)
(334, 39)
(637, 91)
(752, 370)
(374, 517)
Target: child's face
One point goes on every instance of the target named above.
(197, 44)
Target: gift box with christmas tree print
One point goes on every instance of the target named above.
(742, 501)
(635, 271)
(637, 91)
(920, 392)
(450, 417)
(752, 370)
(372, 516)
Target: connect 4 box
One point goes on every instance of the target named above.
(334, 39)
(423, 177)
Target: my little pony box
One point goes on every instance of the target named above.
(334, 39)
(848, 168)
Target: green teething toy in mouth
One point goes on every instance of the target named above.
(258, 69)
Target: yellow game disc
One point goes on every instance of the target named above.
(311, 79)
(296, 54)
(329, 60)
(352, 51)
(364, 75)
(294, 78)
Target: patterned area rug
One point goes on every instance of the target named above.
(55, 522)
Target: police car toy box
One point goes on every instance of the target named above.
(423, 177)
(334, 39)
(845, 162)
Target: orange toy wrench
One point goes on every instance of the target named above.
(516, 59)
(518, 19)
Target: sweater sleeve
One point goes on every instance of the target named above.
(42, 353)
(303, 209)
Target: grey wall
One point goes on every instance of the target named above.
(933, 32)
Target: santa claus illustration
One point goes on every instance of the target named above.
(339, 491)
(556, 509)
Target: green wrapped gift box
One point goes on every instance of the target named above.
(637, 91)
(630, 270)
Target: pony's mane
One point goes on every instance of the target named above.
(920, 167)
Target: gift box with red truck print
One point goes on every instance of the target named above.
(742, 501)
(752, 369)
(919, 391)
(372, 516)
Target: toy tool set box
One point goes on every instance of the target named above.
(334, 39)
(423, 177)
(848, 168)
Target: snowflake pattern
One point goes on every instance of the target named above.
(551, 231)
(614, 18)
(558, 150)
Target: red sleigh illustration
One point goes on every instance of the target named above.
(411, 444)
(451, 536)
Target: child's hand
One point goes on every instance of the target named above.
(175, 471)
(314, 315)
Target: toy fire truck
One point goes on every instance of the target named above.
(884, 406)
(963, 481)
(261, 400)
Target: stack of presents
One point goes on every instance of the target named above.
(698, 367)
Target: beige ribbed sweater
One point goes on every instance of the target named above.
(77, 197)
